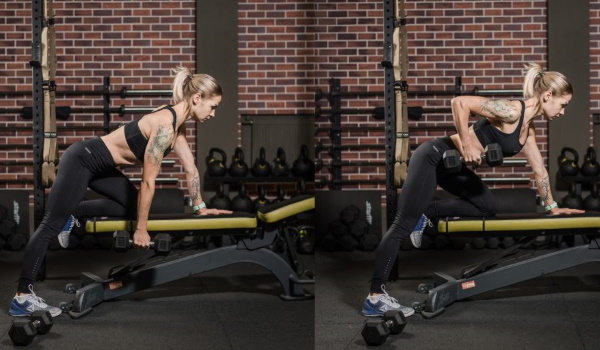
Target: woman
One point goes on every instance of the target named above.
(508, 123)
(92, 163)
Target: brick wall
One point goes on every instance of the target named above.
(134, 43)
(287, 50)
(486, 43)
(275, 56)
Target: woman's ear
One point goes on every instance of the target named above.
(547, 95)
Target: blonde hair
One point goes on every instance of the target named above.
(538, 81)
(186, 84)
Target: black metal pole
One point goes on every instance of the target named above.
(38, 110)
(389, 110)
(336, 136)
(106, 104)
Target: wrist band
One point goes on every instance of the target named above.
(203, 205)
(551, 206)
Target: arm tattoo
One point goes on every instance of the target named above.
(501, 109)
(162, 140)
(195, 189)
(544, 187)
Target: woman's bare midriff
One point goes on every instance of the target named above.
(119, 150)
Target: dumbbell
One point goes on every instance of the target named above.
(161, 244)
(22, 331)
(492, 156)
(375, 332)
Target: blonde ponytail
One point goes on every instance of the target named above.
(538, 80)
(186, 84)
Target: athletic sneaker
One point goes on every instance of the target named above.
(377, 305)
(417, 235)
(25, 305)
(63, 236)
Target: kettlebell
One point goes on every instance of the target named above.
(590, 166)
(242, 202)
(573, 199)
(280, 194)
(262, 200)
(568, 166)
(280, 166)
(592, 201)
(215, 166)
(261, 167)
(220, 200)
(303, 167)
(238, 167)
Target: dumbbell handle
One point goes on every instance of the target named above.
(131, 244)
(483, 157)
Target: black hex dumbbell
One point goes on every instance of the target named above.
(161, 244)
(375, 332)
(23, 331)
(492, 155)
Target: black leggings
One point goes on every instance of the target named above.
(84, 164)
(425, 173)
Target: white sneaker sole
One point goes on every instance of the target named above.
(413, 240)
(63, 240)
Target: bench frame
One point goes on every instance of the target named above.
(505, 268)
(152, 270)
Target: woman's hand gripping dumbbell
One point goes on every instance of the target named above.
(161, 244)
(492, 156)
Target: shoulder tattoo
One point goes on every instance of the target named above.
(501, 109)
(160, 142)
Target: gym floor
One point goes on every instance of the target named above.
(238, 307)
(235, 307)
(558, 311)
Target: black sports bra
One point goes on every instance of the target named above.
(488, 133)
(137, 142)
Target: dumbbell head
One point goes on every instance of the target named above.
(161, 243)
(452, 161)
(395, 321)
(122, 240)
(493, 154)
(375, 332)
(23, 331)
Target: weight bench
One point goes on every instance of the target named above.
(508, 267)
(253, 234)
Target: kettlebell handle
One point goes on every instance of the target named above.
(304, 151)
(262, 156)
(572, 151)
(591, 154)
(281, 155)
(238, 154)
(214, 150)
